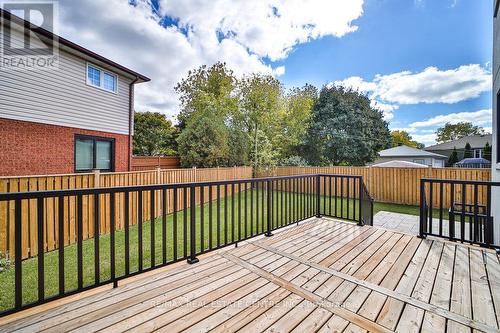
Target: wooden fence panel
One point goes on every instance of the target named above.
(91, 180)
(398, 185)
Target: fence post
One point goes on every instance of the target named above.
(97, 178)
(195, 174)
(361, 194)
(269, 208)
(318, 196)
(192, 257)
(158, 175)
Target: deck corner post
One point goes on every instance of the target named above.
(192, 230)
(422, 210)
(269, 208)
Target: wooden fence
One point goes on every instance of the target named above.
(141, 163)
(396, 185)
(91, 180)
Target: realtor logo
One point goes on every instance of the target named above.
(29, 39)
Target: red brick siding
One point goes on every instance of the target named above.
(28, 148)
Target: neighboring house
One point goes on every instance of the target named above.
(414, 155)
(477, 143)
(495, 165)
(75, 118)
(398, 164)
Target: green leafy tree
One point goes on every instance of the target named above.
(262, 110)
(298, 112)
(399, 138)
(468, 151)
(207, 88)
(204, 142)
(345, 129)
(487, 152)
(453, 157)
(154, 135)
(450, 132)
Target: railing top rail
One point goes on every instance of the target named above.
(119, 189)
(457, 181)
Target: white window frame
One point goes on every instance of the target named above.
(101, 84)
(416, 160)
(480, 150)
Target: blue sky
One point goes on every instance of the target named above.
(423, 62)
(403, 35)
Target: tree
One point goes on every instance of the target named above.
(399, 138)
(299, 104)
(207, 88)
(487, 152)
(154, 135)
(456, 131)
(345, 129)
(453, 157)
(468, 151)
(261, 112)
(204, 142)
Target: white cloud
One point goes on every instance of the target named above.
(481, 117)
(252, 30)
(432, 85)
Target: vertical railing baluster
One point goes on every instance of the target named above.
(184, 222)
(269, 208)
(451, 226)
(488, 237)
(441, 194)
(246, 210)
(61, 243)
(174, 221)
(318, 194)
(348, 179)
(139, 229)
(421, 232)
(79, 240)
(251, 208)
(192, 229)
(152, 227)
(41, 248)
(360, 198)
(233, 222)
(18, 259)
(341, 197)
(431, 197)
(112, 222)
(462, 215)
(476, 213)
(239, 211)
(210, 218)
(202, 218)
(226, 224)
(127, 233)
(218, 216)
(164, 225)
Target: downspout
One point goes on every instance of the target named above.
(130, 120)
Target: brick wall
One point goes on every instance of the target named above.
(28, 148)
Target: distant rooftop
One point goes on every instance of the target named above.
(405, 151)
(475, 141)
(399, 164)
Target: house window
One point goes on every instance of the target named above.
(478, 153)
(93, 153)
(419, 161)
(99, 78)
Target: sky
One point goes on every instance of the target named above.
(423, 62)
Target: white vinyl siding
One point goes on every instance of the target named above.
(63, 97)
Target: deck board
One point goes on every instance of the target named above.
(322, 275)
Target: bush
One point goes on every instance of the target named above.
(4, 261)
(294, 161)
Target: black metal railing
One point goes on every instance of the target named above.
(459, 210)
(124, 231)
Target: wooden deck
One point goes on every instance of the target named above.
(322, 276)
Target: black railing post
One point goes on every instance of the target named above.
(192, 257)
(422, 209)
(269, 208)
(361, 222)
(318, 196)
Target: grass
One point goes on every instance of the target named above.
(225, 234)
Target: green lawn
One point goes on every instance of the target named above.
(224, 236)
